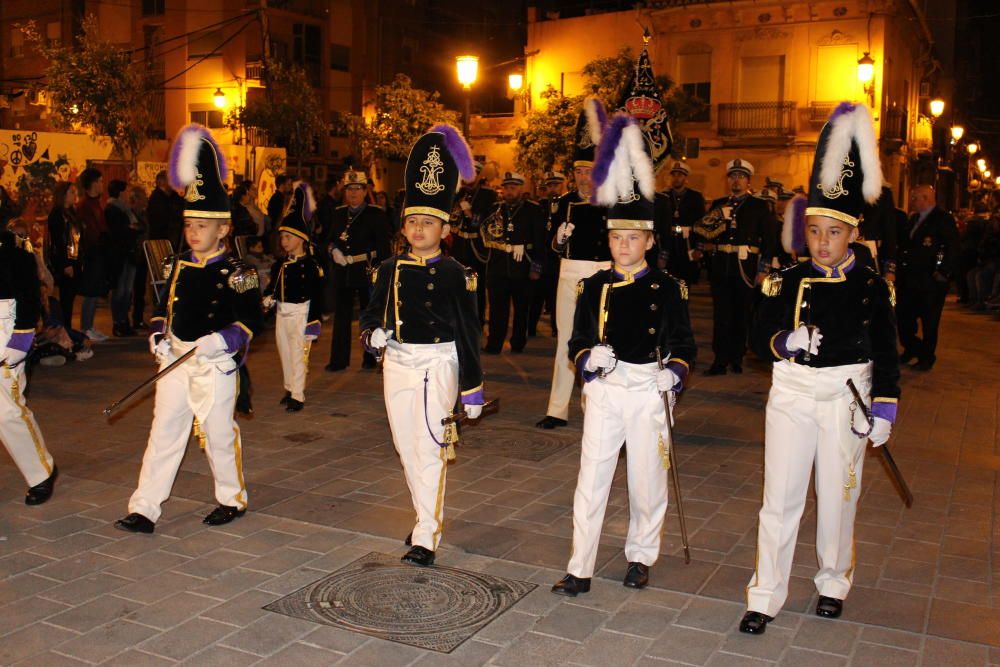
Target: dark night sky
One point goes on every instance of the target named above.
(977, 70)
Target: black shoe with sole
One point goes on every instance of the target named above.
(284, 399)
(409, 539)
(419, 556)
(42, 491)
(369, 365)
(829, 607)
(636, 575)
(906, 357)
(294, 406)
(571, 586)
(549, 423)
(923, 366)
(222, 515)
(716, 369)
(135, 523)
(755, 623)
(737, 368)
(333, 368)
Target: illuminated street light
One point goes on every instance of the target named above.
(972, 148)
(468, 70)
(957, 132)
(219, 98)
(981, 164)
(937, 107)
(74, 110)
(516, 82)
(866, 68)
(987, 173)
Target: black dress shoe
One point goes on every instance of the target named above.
(737, 368)
(369, 364)
(419, 556)
(135, 523)
(284, 399)
(755, 623)
(636, 575)
(829, 607)
(517, 350)
(42, 491)
(222, 515)
(333, 368)
(716, 369)
(492, 350)
(409, 539)
(923, 366)
(571, 586)
(906, 357)
(549, 423)
(244, 406)
(294, 406)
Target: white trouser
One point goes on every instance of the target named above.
(18, 429)
(199, 389)
(571, 272)
(293, 349)
(417, 376)
(808, 427)
(624, 405)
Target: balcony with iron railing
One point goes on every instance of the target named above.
(255, 70)
(757, 122)
(255, 136)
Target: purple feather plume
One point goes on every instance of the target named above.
(459, 150)
(308, 202)
(606, 150)
(842, 108)
(793, 229)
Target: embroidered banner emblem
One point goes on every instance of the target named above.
(432, 167)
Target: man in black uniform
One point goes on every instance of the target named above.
(476, 202)
(683, 207)
(513, 235)
(878, 231)
(20, 306)
(543, 292)
(737, 231)
(928, 259)
(359, 238)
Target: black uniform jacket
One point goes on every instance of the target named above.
(681, 210)
(427, 301)
(523, 223)
(590, 229)
(753, 226)
(853, 308)
(933, 247)
(19, 281)
(297, 280)
(634, 314)
(482, 200)
(220, 295)
(367, 233)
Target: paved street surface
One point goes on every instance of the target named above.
(326, 488)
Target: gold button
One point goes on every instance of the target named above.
(433, 271)
(399, 303)
(427, 304)
(430, 286)
(211, 315)
(652, 331)
(436, 339)
(866, 322)
(865, 301)
(218, 285)
(654, 286)
(399, 284)
(653, 306)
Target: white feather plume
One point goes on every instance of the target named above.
(642, 166)
(854, 125)
(596, 118)
(187, 158)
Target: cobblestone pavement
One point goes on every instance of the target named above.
(326, 488)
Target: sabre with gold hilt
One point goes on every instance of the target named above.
(672, 461)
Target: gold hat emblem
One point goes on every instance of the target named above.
(431, 168)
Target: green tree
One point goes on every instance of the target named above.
(97, 85)
(546, 140)
(401, 113)
(290, 111)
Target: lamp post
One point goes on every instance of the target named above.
(219, 99)
(467, 69)
(957, 132)
(866, 75)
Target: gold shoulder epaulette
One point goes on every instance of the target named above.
(683, 286)
(471, 280)
(244, 279)
(579, 287)
(772, 284)
(892, 292)
(24, 243)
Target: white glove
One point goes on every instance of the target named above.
(158, 345)
(338, 257)
(268, 303)
(564, 232)
(666, 380)
(800, 340)
(601, 356)
(14, 357)
(517, 252)
(210, 345)
(379, 338)
(473, 411)
(880, 431)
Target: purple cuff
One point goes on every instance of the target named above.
(680, 369)
(885, 410)
(236, 338)
(779, 345)
(475, 398)
(157, 325)
(366, 337)
(312, 329)
(21, 341)
(581, 365)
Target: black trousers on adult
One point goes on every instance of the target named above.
(919, 298)
(345, 290)
(139, 292)
(67, 297)
(732, 300)
(503, 292)
(543, 295)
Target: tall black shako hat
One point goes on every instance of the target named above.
(198, 167)
(846, 174)
(296, 221)
(623, 177)
(436, 167)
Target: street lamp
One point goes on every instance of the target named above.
(957, 132)
(515, 82)
(467, 69)
(981, 164)
(219, 99)
(866, 75)
(937, 107)
(972, 148)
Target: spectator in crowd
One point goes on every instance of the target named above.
(972, 235)
(322, 222)
(96, 238)
(64, 251)
(138, 201)
(123, 228)
(243, 224)
(258, 259)
(8, 207)
(982, 278)
(276, 204)
(164, 213)
(258, 216)
(382, 200)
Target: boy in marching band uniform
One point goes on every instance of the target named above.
(297, 289)
(822, 322)
(624, 316)
(20, 306)
(423, 318)
(212, 306)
